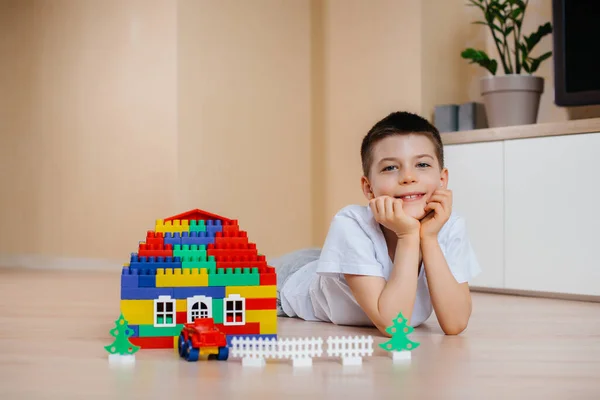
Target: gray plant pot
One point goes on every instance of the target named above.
(511, 99)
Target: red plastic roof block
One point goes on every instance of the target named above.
(201, 214)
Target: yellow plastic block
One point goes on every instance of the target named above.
(209, 350)
(253, 292)
(181, 305)
(267, 319)
(176, 344)
(138, 312)
(179, 277)
(172, 226)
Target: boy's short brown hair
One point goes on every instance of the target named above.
(399, 123)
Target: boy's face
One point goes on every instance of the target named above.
(406, 167)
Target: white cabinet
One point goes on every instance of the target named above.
(552, 214)
(533, 211)
(476, 177)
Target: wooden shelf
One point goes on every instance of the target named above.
(523, 131)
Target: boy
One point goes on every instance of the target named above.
(404, 252)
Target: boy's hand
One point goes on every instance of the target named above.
(389, 213)
(438, 208)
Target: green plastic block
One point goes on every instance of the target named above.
(152, 331)
(191, 262)
(196, 251)
(197, 225)
(217, 310)
(234, 277)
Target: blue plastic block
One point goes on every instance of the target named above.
(172, 238)
(229, 337)
(145, 293)
(136, 330)
(129, 277)
(138, 262)
(147, 280)
(213, 226)
(216, 292)
(197, 238)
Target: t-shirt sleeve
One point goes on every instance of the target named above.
(348, 249)
(459, 253)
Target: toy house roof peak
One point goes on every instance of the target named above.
(197, 214)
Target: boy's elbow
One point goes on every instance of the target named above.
(382, 330)
(454, 329)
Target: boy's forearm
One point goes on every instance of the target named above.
(399, 293)
(451, 304)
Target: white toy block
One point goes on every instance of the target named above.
(118, 359)
(351, 361)
(253, 362)
(302, 362)
(400, 356)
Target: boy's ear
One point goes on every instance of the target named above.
(444, 178)
(366, 187)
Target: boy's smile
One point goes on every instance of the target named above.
(405, 167)
(412, 196)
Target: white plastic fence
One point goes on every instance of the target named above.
(351, 349)
(254, 351)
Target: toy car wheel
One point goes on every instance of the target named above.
(182, 346)
(223, 353)
(191, 354)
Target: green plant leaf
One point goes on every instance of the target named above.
(536, 36)
(474, 3)
(496, 27)
(535, 62)
(481, 58)
(515, 13)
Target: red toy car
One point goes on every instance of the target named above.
(200, 339)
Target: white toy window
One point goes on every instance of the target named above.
(199, 307)
(234, 310)
(164, 311)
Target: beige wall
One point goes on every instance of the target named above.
(89, 124)
(244, 116)
(119, 112)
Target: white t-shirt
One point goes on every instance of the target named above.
(355, 245)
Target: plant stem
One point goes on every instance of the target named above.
(502, 58)
(506, 48)
(518, 37)
(508, 53)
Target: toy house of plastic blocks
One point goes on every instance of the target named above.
(197, 265)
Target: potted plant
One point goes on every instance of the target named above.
(514, 98)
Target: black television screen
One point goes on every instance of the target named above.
(576, 26)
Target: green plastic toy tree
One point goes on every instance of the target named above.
(399, 340)
(121, 333)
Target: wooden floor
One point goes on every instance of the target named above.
(54, 324)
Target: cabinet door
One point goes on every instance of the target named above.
(552, 194)
(475, 175)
